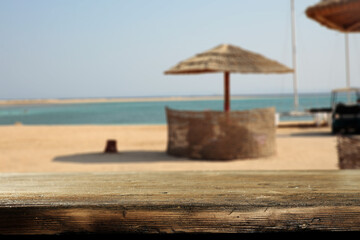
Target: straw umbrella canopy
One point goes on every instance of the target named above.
(228, 58)
(341, 15)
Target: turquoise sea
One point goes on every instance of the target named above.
(144, 112)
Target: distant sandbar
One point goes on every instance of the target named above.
(105, 100)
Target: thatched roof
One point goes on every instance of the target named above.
(228, 58)
(341, 15)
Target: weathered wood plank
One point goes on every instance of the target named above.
(176, 202)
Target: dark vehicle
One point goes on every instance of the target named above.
(345, 110)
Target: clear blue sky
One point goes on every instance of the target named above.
(118, 48)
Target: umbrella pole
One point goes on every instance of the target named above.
(293, 37)
(347, 65)
(226, 91)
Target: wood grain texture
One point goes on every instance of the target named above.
(180, 202)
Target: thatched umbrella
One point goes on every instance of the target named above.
(227, 58)
(341, 15)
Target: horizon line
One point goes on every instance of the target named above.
(163, 96)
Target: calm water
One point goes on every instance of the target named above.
(142, 112)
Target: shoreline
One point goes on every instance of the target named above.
(284, 124)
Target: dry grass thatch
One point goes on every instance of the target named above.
(228, 58)
(341, 15)
(216, 135)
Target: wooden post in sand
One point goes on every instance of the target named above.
(111, 146)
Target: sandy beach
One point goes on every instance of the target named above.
(142, 148)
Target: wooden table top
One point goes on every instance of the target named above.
(180, 202)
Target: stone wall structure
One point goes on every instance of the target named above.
(348, 151)
(215, 135)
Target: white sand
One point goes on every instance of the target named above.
(142, 148)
